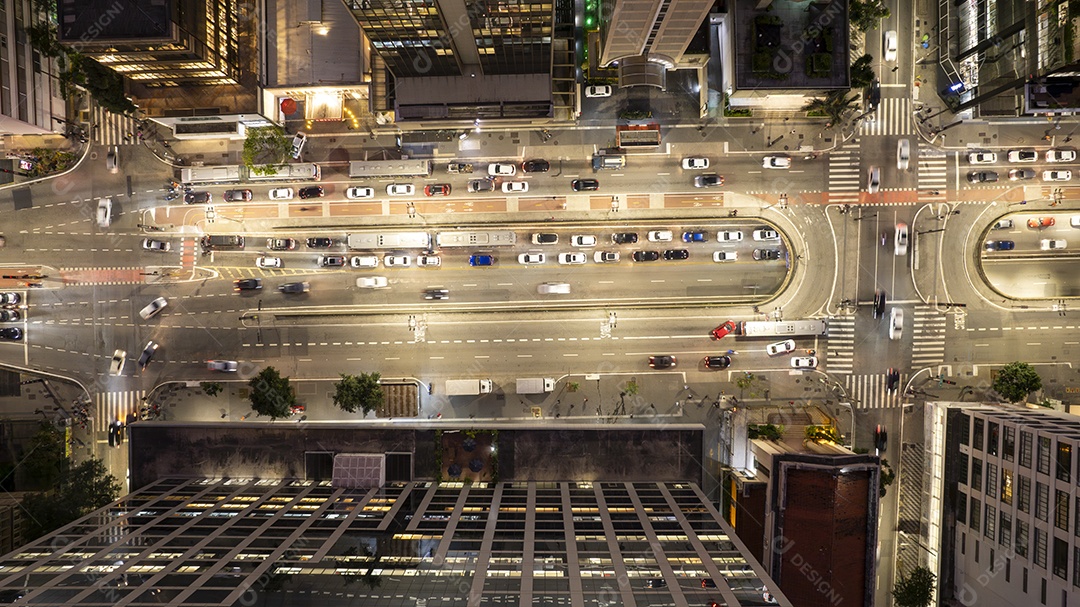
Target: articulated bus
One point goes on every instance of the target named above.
(388, 240)
(390, 168)
(782, 328)
(486, 238)
(304, 171)
(208, 175)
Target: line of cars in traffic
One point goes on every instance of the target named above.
(799, 361)
(1021, 156)
(1034, 223)
(9, 312)
(763, 234)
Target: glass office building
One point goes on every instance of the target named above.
(419, 544)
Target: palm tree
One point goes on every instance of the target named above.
(834, 105)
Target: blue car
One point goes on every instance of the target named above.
(693, 236)
(481, 260)
(1000, 245)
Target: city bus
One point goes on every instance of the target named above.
(304, 171)
(388, 240)
(208, 175)
(390, 168)
(485, 238)
(782, 328)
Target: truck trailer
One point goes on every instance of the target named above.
(468, 387)
(535, 385)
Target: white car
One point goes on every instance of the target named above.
(1051, 245)
(1060, 155)
(356, 193)
(222, 366)
(571, 259)
(896, 323)
(281, 194)
(776, 162)
(873, 180)
(719, 256)
(151, 310)
(515, 187)
(1003, 224)
(396, 261)
(583, 240)
(901, 239)
(601, 90)
(158, 246)
(695, 163)
(269, 262)
(903, 154)
(765, 234)
(804, 362)
(890, 45)
(729, 236)
(502, 169)
(1057, 175)
(606, 257)
(298, 144)
(428, 261)
(400, 189)
(553, 288)
(1074, 222)
(372, 282)
(365, 261)
(528, 259)
(660, 236)
(104, 212)
(1025, 155)
(982, 158)
(780, 347)
(116, 366)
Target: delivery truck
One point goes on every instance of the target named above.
(535, 385)
(468, 387)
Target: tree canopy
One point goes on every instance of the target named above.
(265, 148)
(1016, 380)
(865, 15)
(834, 105)
(85, 488)
(358, 392)
(862, 72)
(915, 590)
(271, 394)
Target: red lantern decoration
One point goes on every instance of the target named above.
(288, 106)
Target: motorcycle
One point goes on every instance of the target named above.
(884, 238)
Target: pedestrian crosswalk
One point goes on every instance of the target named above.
(112, 129)
(845, 173)
(871, 391)
(893, 117)
(841, 346)
(929, 337)
(113, 406)
(933, 173)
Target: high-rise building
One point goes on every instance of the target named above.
(1010, 506)
(241, 541)
(29, 94)
(646, 38)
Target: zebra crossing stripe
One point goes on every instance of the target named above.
(841, 345)
(112, 406)
(871, 391)
(893, 117)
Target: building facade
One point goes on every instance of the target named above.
(249, 541)
(1011, 519)
(29, 94)
(646, 38)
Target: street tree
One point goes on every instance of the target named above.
(265, 148)
(358, 392)
(1016, 380)
(866, 15)
(915, 590)
(212, 388)
(271, 394)
(834, 105)
(84, 489)
(862, 72)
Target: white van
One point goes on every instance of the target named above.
(298, 144)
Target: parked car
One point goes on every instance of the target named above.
(281, 194)
(10, 299)
(1021, 174)
(11, 333)
(1025, 155)
(357, 193)
(236, 195)
(1057, 175)
(312, 191)
(1060, 155)
(601, 90)
(9, 315)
